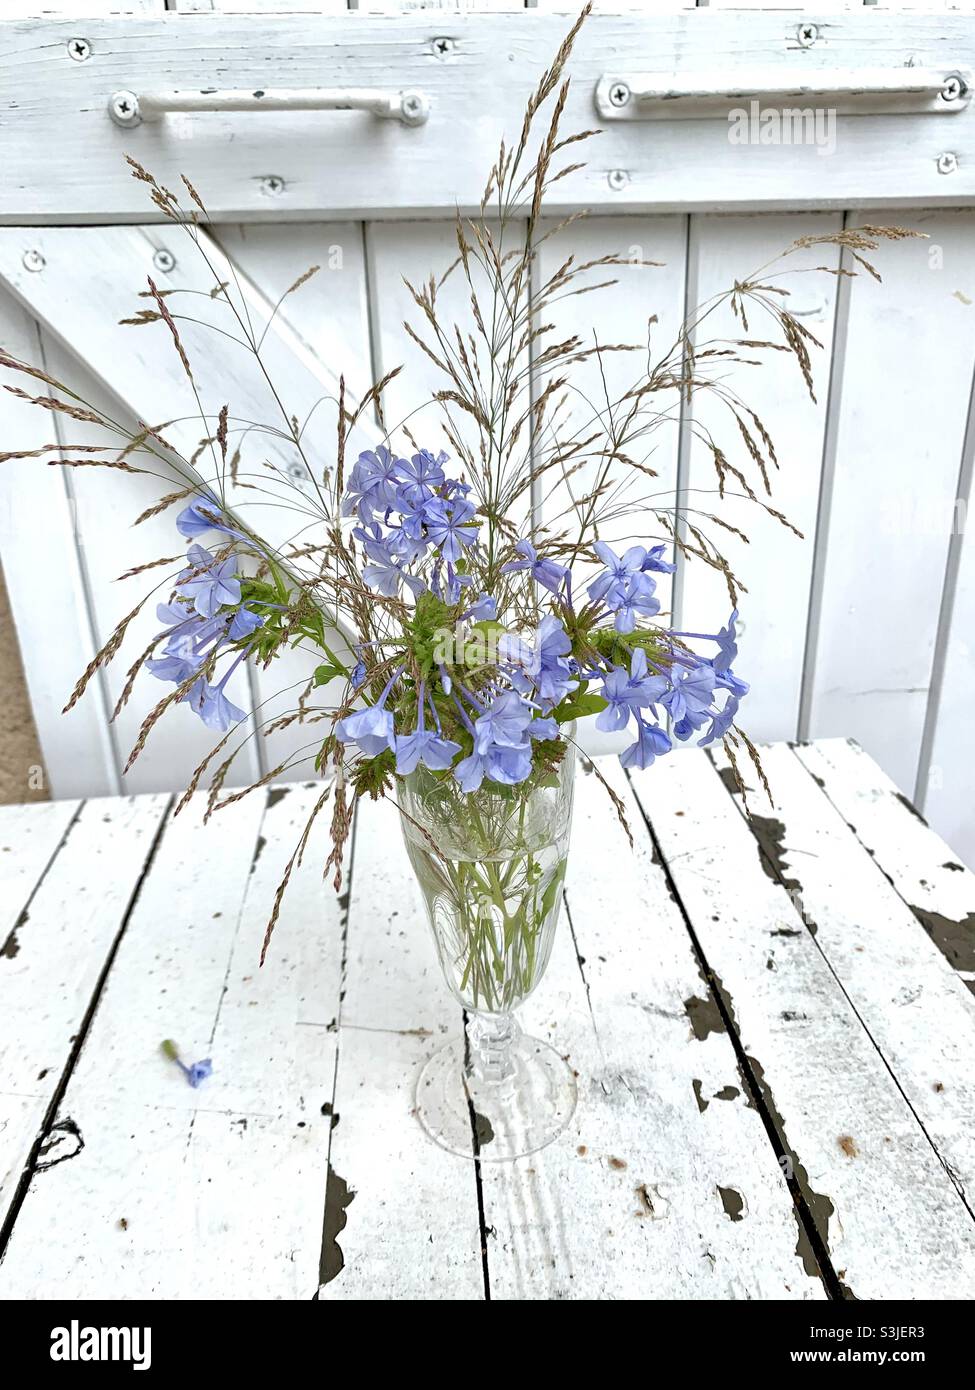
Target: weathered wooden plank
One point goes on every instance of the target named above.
(944, 789)
(48, 596)
(29, 838)
(665, 1184)
(63, 944)
(400, 170)
(773, 564)
(925, 872)
(913, 1005)
(885, 1208)
(182, 1167)
(883, 551)
(411, 1226)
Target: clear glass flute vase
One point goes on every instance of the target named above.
(491, 865)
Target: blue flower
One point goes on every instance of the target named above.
(555, 672)
(243, 623)
(628, 692)
(207, 583)
(651, 742)
(371, 728)
(721, 722)
(635, 597)
(422, 476)
(194, 1074)
(423, 746)
(204, 514)
(504, 722)
(385, 575)
(727, 644)
(507, 766)
(448, 527)
(198, 1072)
(690, 695)
(372, 484)
(546, 572)
(618, 571)
(485, 609)
(172, 668)
(653, 561)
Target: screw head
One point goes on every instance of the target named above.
(953, 89)
(79, 49)
(123, 107)
(33, 260)
(413, 106)
(619, 94)
(442, 47)
(617, 179)
(272, 185)
(947, 163)
(807, 34)
(164, 260)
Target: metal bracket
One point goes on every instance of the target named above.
(410, 107)
(855, 91)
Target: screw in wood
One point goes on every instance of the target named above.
(413, 106)
(79, 49)
(807, 34)
(619, 94)
(947, 163)
(123, 107)
(33, 260)
(273, 185)
(164, 260)
(953, 89)
(617, 179)
(442, 47)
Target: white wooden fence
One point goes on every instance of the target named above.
(865, 629)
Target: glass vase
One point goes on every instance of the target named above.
(491, 865)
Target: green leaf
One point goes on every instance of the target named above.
(326, 673)
(579, 706)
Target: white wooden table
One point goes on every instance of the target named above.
(773, 1025)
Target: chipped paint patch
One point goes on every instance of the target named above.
(954, 939)
(704, 1016)
(702, 1104)
(733, 1203)
(338, 1195)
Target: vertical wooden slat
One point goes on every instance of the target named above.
(618, 314)
(46, 586)
(944, 784)
(900, 422)
(328, 314)
(774, 565)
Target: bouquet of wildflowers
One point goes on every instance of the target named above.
(449, 648)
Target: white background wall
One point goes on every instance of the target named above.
(865, 629)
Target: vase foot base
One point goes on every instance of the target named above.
(495, 1121)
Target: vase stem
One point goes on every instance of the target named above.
(491, 1038)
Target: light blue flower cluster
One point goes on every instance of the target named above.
(206, 616)
(434, 519)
